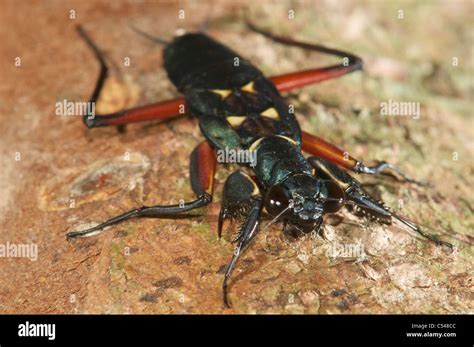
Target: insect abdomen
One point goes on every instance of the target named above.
(190, 58)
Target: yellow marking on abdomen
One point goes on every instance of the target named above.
(271, 113)
(249, 87)
(223, 93)
(236, 121)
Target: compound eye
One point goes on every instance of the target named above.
(276, 200)
(335, 199)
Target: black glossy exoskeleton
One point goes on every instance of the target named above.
(240, 109)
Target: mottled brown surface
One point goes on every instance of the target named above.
(175, 266)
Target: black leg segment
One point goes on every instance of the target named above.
(357, 195)
(241, 198)
(388, 169)
(203, 166)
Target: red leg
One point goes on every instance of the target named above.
(302, 78)
(161, 110)
(322, 149)
(173, 108)
(203, 169)
(299, 79)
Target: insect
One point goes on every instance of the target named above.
(238, 108)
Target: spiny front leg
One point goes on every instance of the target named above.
(202, 170)
(241, 198)
(323, 149)
(362, 199)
